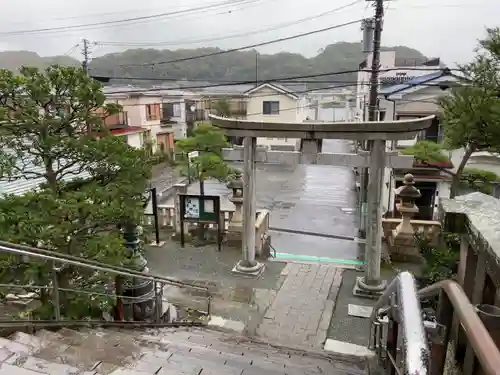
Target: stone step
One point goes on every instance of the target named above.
(176, 350)
(172, 351)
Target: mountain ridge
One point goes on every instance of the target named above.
(237, 65)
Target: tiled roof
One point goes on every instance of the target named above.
(22, 186)
(413, 82)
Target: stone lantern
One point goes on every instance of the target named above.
(402, 240)
(236, 185)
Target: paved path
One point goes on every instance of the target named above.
(301, 312)
(307, 198)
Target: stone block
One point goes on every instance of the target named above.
(359, 311)
(345, 348)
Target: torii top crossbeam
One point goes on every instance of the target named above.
(364, 130)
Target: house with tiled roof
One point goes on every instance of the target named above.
(417, 98)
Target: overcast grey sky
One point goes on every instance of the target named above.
(446, 28)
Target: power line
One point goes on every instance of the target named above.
(253, 96)
(124, 21)
(336, 86)
(237, 83)
(232, 82)
(238, 35)
(94, 15)
(245, 47)
(71, 50)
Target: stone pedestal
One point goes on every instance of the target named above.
(234, 235)
(243, 268)
(402, 240)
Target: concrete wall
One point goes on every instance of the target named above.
(263, 155)
(292, 144)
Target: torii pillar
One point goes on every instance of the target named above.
(248, 266)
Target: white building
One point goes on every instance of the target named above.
(276, 103)
(333, 104)
(414, 99)
(391, 74)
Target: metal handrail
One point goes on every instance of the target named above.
(68, 290)
(416, 353)
(57, 258)
(477, 334)
(91, 264)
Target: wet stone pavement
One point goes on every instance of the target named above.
(291, 303)
(302, 310)
(319, 200)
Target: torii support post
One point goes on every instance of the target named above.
(371, 285)
(248, 266)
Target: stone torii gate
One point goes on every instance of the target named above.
(311, 134)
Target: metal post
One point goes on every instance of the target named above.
(189, 170)
(256, 68)
(363, 183)
(154, 203)
(55, 292)
(158, 302)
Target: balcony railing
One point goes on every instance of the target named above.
(196, 115)
(118, 120)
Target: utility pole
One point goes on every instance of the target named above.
(370, 284)
(86, 55)
(256, 68)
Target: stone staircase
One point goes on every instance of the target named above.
(164, 351)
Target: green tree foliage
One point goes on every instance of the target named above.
(222, 108)
(237, 66)
(426, 151)
(51, 129)
(209, 141)
(441, 262)
(471, 114)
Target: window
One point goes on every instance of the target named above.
(271, 107)
(168, 110)
(177, 110)
(152, 112)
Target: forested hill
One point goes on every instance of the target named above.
(238, 65)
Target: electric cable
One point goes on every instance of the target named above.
(310, 90)
(123, 21)
(166, 79)
(223, 52)
(237, 35)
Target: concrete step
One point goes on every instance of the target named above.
(166, 351)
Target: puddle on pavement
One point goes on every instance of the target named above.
(237, 301)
